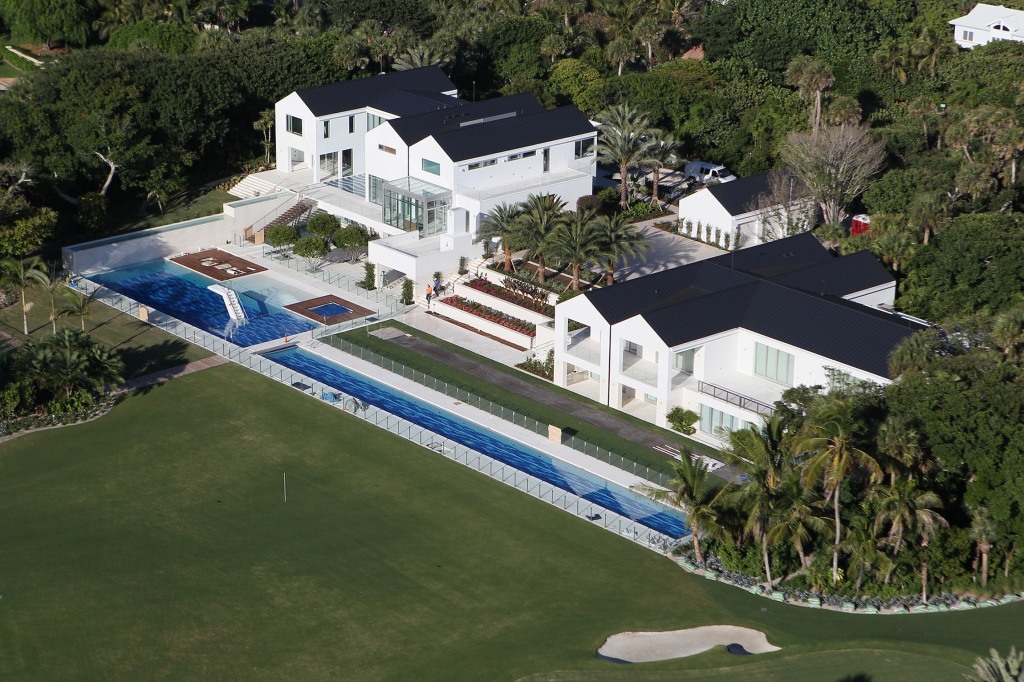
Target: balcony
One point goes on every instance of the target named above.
(737, 399)
(641, 370)
(545, 182)
(585, 348)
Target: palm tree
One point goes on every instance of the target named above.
(662, 152)
(1008, 331)
(928, 213)
(692, 491)
(619, 239)
(105, 367)
(577, 241)
(922, 108)
(983, 531)
(419, 56)
(760, 452)
(79, 306)
(930, 48)
(22, 274)
(625, 141)
(541, 215)
(797, 519)
(502, 223)
(926, 525)
(894, 57)
(995, 668)
(895, 248)
(833, 458)
(812, 77)
(904, 507)
(620, 51)
(916, 353)
(55, 289)
(843, 111)
(265, 124)
(861, 544)
(903, 454)
(68, 369)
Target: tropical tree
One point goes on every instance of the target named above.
(812, 77)
(903, 507)
(542, 214)
(861, 544)
(797, 518)
(983, 532)
(894, 247)
(833, 457)
(21, 275)
(55, 290)
(903, 453)
(692, 491)
(893, 56)
(761, 453)
(625, 141)
(577, 241)
(930, 48)
(926, 526)
(928, 213)
(79, 306)
(619, 239)
(265, 124)
(661, 153)
(502, 223)
(915, 353)
(1008, 331)
(420, 55)
(995, 668)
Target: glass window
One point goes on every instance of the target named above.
(631, 348)
(294, 124)
(376, 190)
(351, 124)
(482, 164)
(372, 121)
(431, 166)
(716, 422)
(386, 149)
(651, 398)
(524, 155)
(584, 148)
(327, 129)
(683, 361)
(772, 363)
(969, 36)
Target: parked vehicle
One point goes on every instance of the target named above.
(704, 172)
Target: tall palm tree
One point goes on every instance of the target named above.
(930, 48)
(983, 531)
(619, 239)
(922, 108)
(903, 507)
(761, 453)
(812, 77)
(692, 491)
(265, 124)
(916, 353)
(541, 215)
(928, 213)
(797, 518)
(79, 306)
(833, 458)
(577, 241)
(926, 526)
(1008, 331)
(625, 141)
(861, 544)
(418, 56)
(55, 289)
(903, 454)
(21, 275)
(662, 152)
(894, 57)
(502, 223)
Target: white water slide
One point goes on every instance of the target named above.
(231, 302)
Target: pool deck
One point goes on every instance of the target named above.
(305, 308)
(217, 264)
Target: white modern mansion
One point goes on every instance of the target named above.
(725, 337)
(986, 23)
(403, 155)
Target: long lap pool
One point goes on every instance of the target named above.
(555, 472)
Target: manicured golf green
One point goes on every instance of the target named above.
(155, 543)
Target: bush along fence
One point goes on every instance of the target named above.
(708, 234)
(712, 569)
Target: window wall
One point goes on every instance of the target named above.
(294, 124)
(772, 363)
(718, 423)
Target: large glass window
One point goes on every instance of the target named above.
(632, 348)
(294, 124)
(327, 129)
(683, 361)
(716, 422)
(376, 189)
(584, 148)
(772, 363)
(432, 167)
(372, 121)
(401, 211)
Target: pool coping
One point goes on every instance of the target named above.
(304, 308)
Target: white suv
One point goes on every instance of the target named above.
(704, 172)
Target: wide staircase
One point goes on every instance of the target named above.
(252, 186)
(295, 215)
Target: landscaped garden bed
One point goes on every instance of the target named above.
(491, 315)
(516, 298)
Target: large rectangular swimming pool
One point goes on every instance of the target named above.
(556, 472)
(182, 293)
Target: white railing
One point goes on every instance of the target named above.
(482, 193)
(453, 450)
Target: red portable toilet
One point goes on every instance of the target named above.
(861, 224)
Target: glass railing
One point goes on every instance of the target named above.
(737, 399)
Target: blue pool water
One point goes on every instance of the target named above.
(565, 476)
(329, 309)
(181, 293)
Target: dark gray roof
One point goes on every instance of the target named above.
(763, 291)
(412, 129)
(740, 196)
(356, 94)
(520, 131)
(412, 102)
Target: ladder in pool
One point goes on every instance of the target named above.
(231, 302)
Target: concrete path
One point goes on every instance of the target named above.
(163, 375)
(543, 396)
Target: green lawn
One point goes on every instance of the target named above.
(124, 215)
(8, 71)
(154, 544)
(143, 348)
(490, 389)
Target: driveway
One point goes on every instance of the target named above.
(666, 251)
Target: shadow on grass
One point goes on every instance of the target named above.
(859, 677)
(139, 361)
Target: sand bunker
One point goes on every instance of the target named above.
(643, 647)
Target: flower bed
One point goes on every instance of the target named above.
(505, 294)
(491, 315)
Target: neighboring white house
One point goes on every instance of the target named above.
(741, 209)
(403, 155)
(725, 337)
(986, 23)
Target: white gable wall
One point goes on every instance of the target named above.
(702, 207)
(286, 142)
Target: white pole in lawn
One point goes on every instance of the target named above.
(284, 478)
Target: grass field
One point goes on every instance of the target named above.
(8, 71)
(154, 543)
(143, 348)
(124, 217)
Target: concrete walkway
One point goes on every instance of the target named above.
(543, 396)
(163, 375)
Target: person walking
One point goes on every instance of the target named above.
(430, 291)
